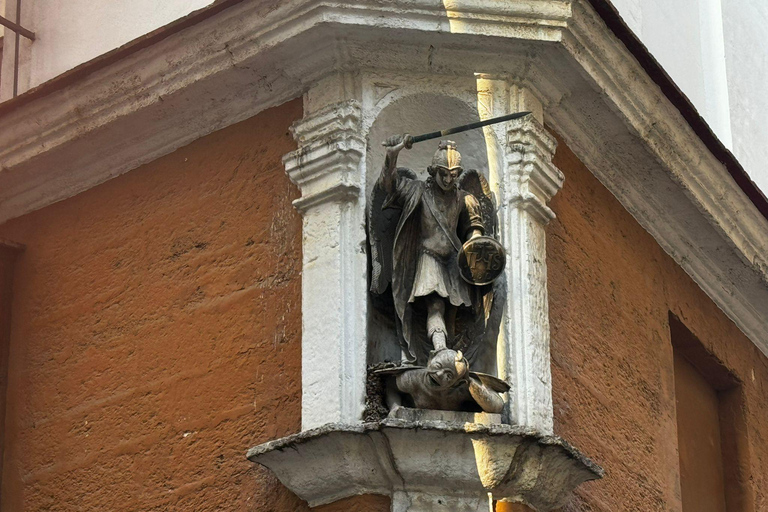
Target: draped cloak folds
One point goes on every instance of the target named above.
(411, 195)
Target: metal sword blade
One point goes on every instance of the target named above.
(466, 127)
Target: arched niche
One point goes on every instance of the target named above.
(415, 114)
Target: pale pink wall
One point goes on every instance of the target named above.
(76, 31)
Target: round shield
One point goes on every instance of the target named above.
(481, 260)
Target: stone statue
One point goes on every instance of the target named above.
(445, 384)
(433, 242)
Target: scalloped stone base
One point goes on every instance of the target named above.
(428, 465)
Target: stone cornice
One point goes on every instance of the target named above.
(248, 58)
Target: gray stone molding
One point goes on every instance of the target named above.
(428, 465)
(530, 149)
(326, 165)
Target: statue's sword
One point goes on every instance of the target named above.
(481, 259)
(466, 127)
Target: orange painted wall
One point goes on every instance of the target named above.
(156, 333)
(611, 289)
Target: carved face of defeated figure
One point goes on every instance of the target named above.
(446, 368)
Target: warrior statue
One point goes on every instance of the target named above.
(437, 251)
(416, 250)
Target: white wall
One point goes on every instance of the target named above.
(716, 51)
(746, 42)
(72, 32)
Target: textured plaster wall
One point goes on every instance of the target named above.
(611, 288)
(157, 334)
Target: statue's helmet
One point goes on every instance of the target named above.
(447, 156)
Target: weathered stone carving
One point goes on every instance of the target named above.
(432, 243)
(412, 453)
(445, 384)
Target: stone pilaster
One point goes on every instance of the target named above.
(327, 169)
(529, 181)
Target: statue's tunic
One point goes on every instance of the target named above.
(429, 234)
(436, 270)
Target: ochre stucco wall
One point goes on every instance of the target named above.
(611, 289)
(156, 333)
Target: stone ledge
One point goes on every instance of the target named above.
(442, 459)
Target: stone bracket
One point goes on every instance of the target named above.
(530, 149)
(325, 167)
(428, 466)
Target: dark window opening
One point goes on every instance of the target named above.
(8, 253)
(711, 430)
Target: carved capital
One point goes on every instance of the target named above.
(534, 178)
(326, 164)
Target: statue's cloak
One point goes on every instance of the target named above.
(395, 253)
(403, 256)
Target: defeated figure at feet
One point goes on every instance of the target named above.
(446, 383)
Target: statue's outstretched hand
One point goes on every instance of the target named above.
(396, 143)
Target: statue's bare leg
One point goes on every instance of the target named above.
(436, 330)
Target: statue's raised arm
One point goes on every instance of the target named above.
(393, 145)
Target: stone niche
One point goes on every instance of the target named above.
(424, 460)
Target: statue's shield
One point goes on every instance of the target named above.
(481, 260)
